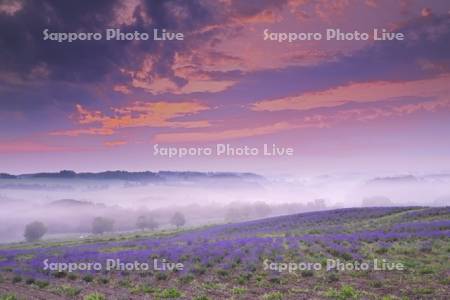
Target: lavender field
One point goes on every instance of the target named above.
(262, 259)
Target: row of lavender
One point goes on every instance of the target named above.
(339, 233)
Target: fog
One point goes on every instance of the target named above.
(67, 205)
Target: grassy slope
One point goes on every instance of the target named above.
(427, 274)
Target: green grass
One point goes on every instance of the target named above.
(95, 296)
(344, 293)
(273, 296)
(170, 293)
(8, 297)
(67, 290)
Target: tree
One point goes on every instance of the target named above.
(261, 209)
(34, 231)
(147, 222)
(101, 225)
(178, 219)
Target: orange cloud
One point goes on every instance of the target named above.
(115, 143)
(359, 92)
(234, 133)
(265, 16)
(138, 114)
(313, 121)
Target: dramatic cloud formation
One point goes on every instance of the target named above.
(361, 93)
(223, 81)
(138, 114)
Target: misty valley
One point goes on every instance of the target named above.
(68, 202)
(222, 235)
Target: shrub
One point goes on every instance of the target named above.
(88, 278)
(67, 290)
(377, 284)
(103, 280)
(332, 277)
(94, 296)
(222, 273)
(16, 279)
(273, 296)
(34, 231)
(244, 278)
(275, 279)
(426, 270)
(42, 284)
(170, 293)
(8, 297)
(147, 289)
(344, 293)
(198, 270)
(186, 279)
(239, 290)
(61, 274)
(161, 276)
(423, 291)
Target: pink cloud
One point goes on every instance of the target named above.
(358, 92)
(10, 7)
(138, 114)
(115, 143)
(27, 146)
(313, 121)
(222, 135)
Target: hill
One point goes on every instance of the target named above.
(403, 252)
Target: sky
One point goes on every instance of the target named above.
(343, 106)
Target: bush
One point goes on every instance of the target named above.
(103, 280)
(67, 290)
(61, 274)
(72, 276)
(223, 273)
(88, 278)
(8, 297)
(170, 293)
(345, 292)
(186, 279)
(94, 296)
(273, 296)
(161, 276)
(42, 284)
(239, 290)
(332, 277)
(34, 231)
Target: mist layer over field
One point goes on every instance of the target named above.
(67, 203)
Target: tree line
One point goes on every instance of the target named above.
(34, 231)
